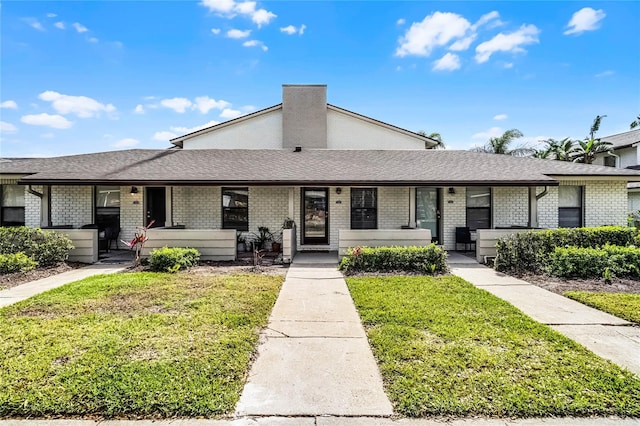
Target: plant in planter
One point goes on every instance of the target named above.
(288, 223)
(261, 237)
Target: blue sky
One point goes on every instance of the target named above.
(92, 76)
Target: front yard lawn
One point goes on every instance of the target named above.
(445, 347)
(133, 345)
(626, 306)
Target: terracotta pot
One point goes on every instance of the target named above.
(276, 247)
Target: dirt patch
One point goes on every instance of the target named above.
(226, 268)
(12, 280)
(557, 285)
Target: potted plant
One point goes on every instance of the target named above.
(261, 237)
(288, 223)
(240, 239)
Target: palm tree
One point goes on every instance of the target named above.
(586, 151)
(635, 123)
(437, 137)
(501, 145)
(557, 150)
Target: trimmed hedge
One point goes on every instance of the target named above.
(578, 262)
(45, 248)
(16, 262)
(429, 260)
(529, 252)
(172, 259)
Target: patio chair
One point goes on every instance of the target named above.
(463, 236)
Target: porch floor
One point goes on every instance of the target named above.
(316, 258)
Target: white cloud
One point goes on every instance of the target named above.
(437, 29)
(79, 27)
(463, 43)
(493, 132)
(230, 8)
(510, 42)
(291, 30)
(139, 109)
(606, 73)
(125, 143)
(34, 23)
(500, 117)
(92, 40)
(254, 43)
(248, 108)
(449, 62)
(230, 113)
(216, 31)
(149, 98)
(51, 15)
(586, 19)
(9, 104)
(238, 33)
(59, 25)
(177, 104)
(7, 127)
(491, 17)
(204, 104)
(49, 120)
(82, 106)
(164, 136)
(401, 21)
(186, 130)
(47, 135)
(508, 65)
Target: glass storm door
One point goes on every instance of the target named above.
(316, 216)
(428, 211)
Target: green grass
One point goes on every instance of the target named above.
(445, 347)
(133, 345)
(623, 305)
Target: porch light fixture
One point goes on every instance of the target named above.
(338, 190)
(452, 191)
(297, 149)
(134, 190)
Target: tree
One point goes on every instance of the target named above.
(635, 123)
(586, 151)
(501, 145)
(437, 137)
(557, 150)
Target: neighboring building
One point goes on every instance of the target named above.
(327, 168)
(625, 155)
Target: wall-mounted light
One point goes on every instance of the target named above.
(134, 190)
(452, 191)
(338, 190)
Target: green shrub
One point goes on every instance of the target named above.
(431, 260)
(46, 248)
(172, 259)
(16, 262)
(579, 262)
(529, 251)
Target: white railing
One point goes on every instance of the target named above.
(218, 244)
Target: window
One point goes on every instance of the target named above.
(107, 206)
(570, 206)
(479, 208)
(364, 208)
(235, 208)
(12, 207)
(610, 161)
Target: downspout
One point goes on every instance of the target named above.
(533, 205)
(32, 191)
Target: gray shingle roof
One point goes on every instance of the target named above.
(622, 140)
(273, 167)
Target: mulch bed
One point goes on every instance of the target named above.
(557, 285)
(11, 280)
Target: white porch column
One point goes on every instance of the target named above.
(412, 206)
(533, 207)
(292, 202)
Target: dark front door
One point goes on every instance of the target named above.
(156, 206)
(315, 220)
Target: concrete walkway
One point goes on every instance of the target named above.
(26, 290)
(606, 335)
(314, 357)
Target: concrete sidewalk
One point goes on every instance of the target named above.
(26, 290)
(314, 357)
(606, 335)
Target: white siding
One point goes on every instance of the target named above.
(454, 214)
(260, 132)
(348, 132)
(32, 211)
(131, 212)
(548, 208)
(197, 207)
(510, 206)
(71, 205)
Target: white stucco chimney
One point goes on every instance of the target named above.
(304, 116)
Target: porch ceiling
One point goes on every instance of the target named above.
(309, 167)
